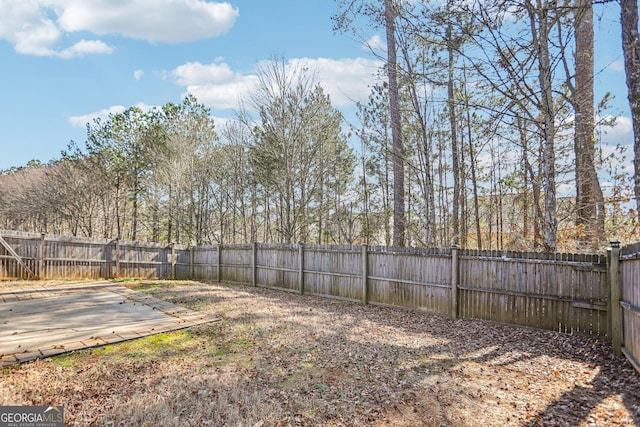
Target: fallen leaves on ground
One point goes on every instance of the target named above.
(282, 359)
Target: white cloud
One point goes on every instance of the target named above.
(218, 86)
(85, 47)
(620, 133)
(151, 20)
(617, 152)
(375, 44)
(24, 25)
(215, 85)
(346, 80)
(616, 65)
(223, 96)
(81, 121)
(195, 73)
(137, 74)
(223, 122)
(37, 27)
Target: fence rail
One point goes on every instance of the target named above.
(573, 293)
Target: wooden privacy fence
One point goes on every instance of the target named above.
(58, 257)
(589, 294)
(625, 287)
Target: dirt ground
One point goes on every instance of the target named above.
(279, 359)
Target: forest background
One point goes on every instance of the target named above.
(481, 112)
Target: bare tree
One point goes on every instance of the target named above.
(399, 225)
(298, 136)
(377, 165)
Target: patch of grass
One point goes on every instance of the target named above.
(146, 288)
(304, 377)
(10, 369)
(306, 366)
(170, 291)
(136, 354)
(321, 387)
(226, 343)
(124, 280)
(159, 346)
(217, 341)
(69, 360)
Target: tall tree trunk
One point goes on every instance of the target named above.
(631, 50)
(529, 178)
(170, 215)
(134, 225)
(454, 136)
(463, 193)
(386, 199)
(472, 164)
(365, 191)
(425, 178)
(396, 127)
(588, 191)
(117, 208)
(540, 32)
(254, 215)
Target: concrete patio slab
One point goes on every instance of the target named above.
(42, 321)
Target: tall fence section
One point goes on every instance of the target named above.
(588, 294)
(626, 289)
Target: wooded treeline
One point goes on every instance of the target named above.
(481, 130)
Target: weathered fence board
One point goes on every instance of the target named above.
(27, 247)
(205, 263)
(183, 267)
(333, 271)
(236, 263)
(144, 261)
(409, 279)
(77, 259)
(568, 294)
(277, 266)
(60, 257)
(630, 303)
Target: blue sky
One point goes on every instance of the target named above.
(65, 62)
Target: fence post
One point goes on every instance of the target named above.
(454, 281)
(117, 259)
(254, 263)
(365, 273)
(41, 261)
(192, 260)
(609, 334)
(219, 274)
(173, 261)
(301, 267)
(615, 294)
